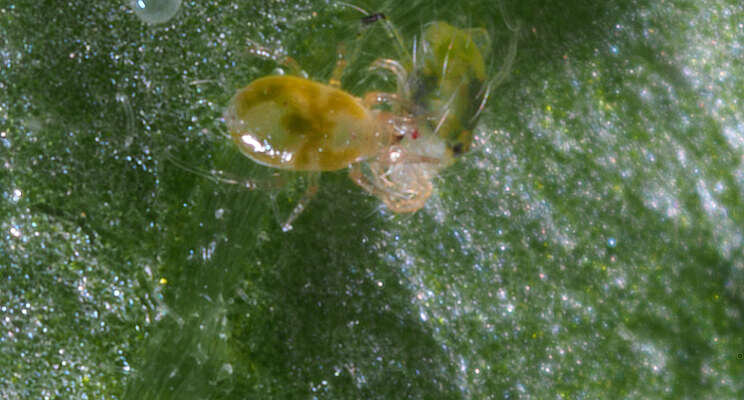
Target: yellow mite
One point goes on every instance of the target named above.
(293, 123)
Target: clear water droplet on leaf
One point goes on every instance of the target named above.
(155, 11)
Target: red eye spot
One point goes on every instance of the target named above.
(415, 134)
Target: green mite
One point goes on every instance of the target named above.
(450, 81)
(294, 123)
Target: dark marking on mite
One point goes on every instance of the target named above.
(296, 124)
(457, 149)
(371, 19)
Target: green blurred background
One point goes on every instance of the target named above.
(590, 246)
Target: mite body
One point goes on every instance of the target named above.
(294, 123)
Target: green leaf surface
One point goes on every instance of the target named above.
(590, 245)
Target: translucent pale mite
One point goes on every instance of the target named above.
(294, 123)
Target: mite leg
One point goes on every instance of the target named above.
(370, 18)
(338, 71)
(358, 177)
(399, 109)
(218, 176)
(312, 189)
(341, 52)
(511, 54)
(372, 99)
(276, 56)
(503, 73)
(377, 187)
(398, 70)
(392, 31)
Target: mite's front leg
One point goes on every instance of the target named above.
(278, 57)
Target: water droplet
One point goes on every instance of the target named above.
(155, 11)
